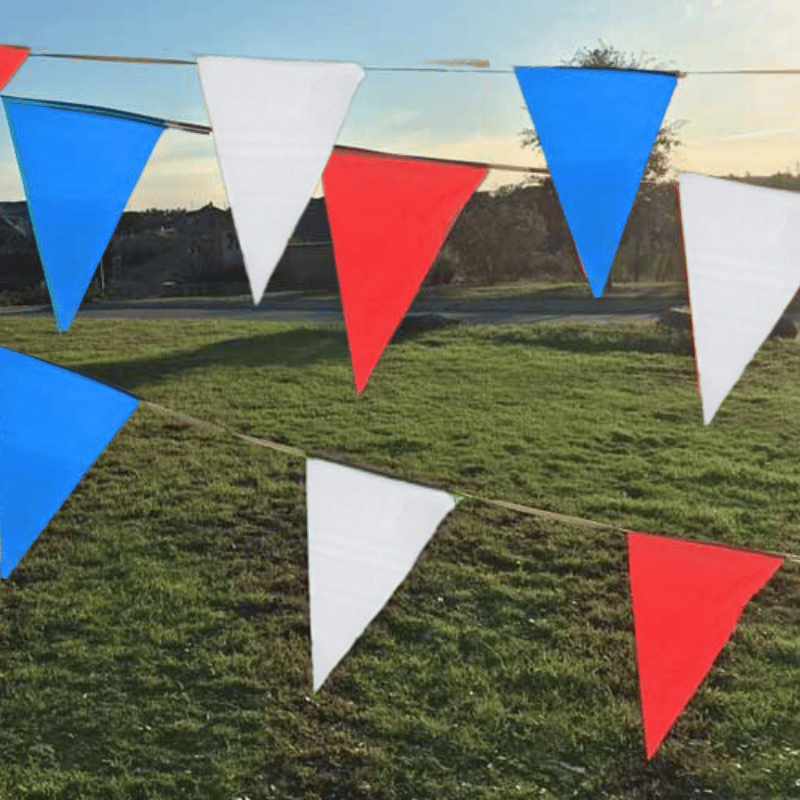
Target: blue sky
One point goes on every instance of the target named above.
(733, 123)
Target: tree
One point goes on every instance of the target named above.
(649, 208)
(497, 238)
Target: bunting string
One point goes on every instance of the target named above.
(204, 130)
(296, 452)
(471, 65)
(189, 127)
(687, 596)
(485, 165)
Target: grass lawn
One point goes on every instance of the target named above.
(155, 640)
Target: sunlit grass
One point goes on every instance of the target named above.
(155, 637)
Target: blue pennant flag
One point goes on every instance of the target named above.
(597, 128)
(79, 166)
(55, 423)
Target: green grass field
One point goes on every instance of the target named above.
(155, 639)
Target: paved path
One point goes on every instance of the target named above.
(328, 309)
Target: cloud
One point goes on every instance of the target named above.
(496, 150)
(194, 180)
(11, 186)
(402, 117)
(174, 145)
(748, 135)
(179, 183)
(738, 156)
(183, 171)
(483, 149)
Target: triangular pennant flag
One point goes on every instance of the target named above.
(53, 426)
(275, 124)
(389, 215)
(596, 128)
(365, 532)
(11, 59)
(79, 166)
(743, 266)
(687, 599)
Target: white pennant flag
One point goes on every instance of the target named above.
(365, 532)
(743, 264)
(274, 124)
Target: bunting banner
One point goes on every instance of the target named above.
(365, 532)
(53, 426)
(596, 128)
(275, 127)
(389, 216)
(79, 166)
(275, 124)
(11, 59)
(743, 267)
(687, 599)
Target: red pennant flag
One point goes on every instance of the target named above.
(389, 216)
(687, 600)
(11, 59)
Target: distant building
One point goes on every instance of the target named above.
(213, 244)
(313, 225)
(305, 265)
(232, 254)
(199, 246)
(15, 215)
(20, 266)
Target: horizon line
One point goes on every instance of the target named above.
(730, 175)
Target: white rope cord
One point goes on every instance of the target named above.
(523, 509)
(475, 65)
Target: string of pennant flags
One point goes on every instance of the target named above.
(596, 128)
(275, 126)
(481, 65)
(366, 530)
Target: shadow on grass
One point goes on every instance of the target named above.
(295, 348)
(659, 778)
(641, 339)
(572, 290)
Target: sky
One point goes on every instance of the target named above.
(730, 124)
